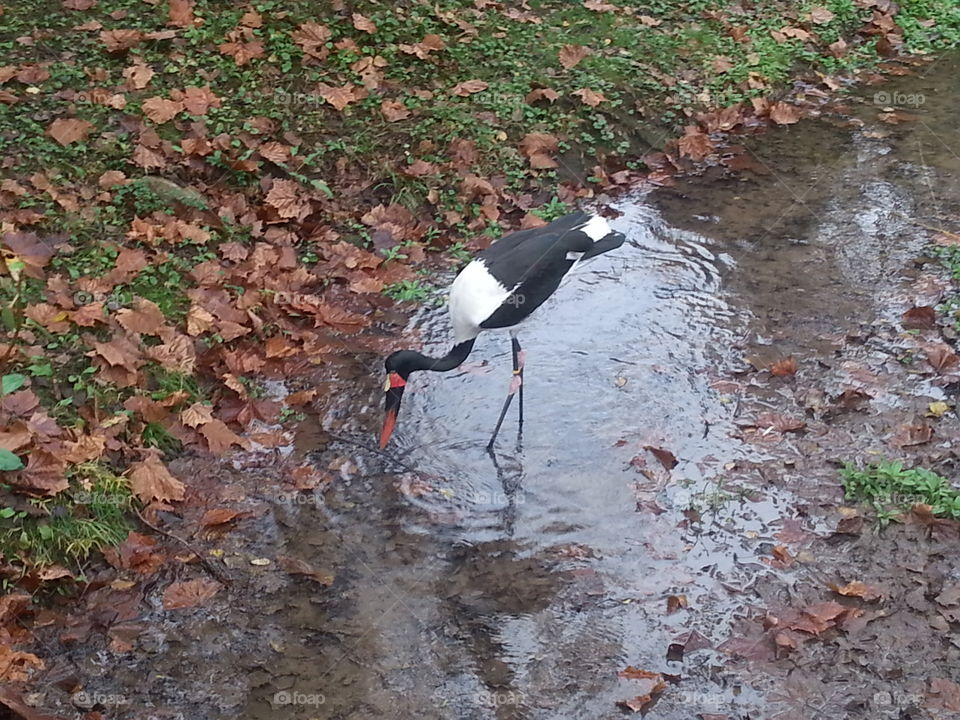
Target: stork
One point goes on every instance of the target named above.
(500, 288)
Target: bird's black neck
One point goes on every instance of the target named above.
(458, 353)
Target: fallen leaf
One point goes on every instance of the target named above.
(784, 368)
(469, 87)
(920, 318)
(189, 593)
(295, 566)
(571, 55)
(784, 114)
(364, 24)
(150, 480)
(858, 588)
(539, 149)
(69, 130)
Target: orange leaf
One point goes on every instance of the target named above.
(363, 23)
(69, 130)
(150, 480)
(571, 55)
(189, 593)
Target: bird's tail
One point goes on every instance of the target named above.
(605, 244)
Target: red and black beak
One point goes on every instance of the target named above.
(394, 393)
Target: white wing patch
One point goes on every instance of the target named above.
(575, 256)
(475, 295)
(596, 228)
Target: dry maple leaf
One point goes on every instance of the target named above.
(312, 39)
(145, 318)
(820, 15)
(79, 4)
(148, 159)
(30, 250)
(176, 354)
(694, 144)
(920, 318)
(394, 110)
(120, 40)
(242, 52)
(469, 87)
(599, 6)
(571, 55)
(161, 110)
(651, 684)
(181, 13)
(541, 94)
(189, 593)
(363, 23)
(220, 437)
(422, 49)
(858, 588)
(69, 130)
(197, 100)
(784, 368)
(539, 148)
(341, 96)
(138, 76)
(150, 480)
(196, 415)
(295, 566)
(284, 197)
(589, 97)
(785, 114)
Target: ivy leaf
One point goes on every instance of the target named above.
(9, 461)
(13, 382)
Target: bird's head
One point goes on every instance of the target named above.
(399, 365)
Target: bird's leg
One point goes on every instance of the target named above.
(518, 358)
(516, 383)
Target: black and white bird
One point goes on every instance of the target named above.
(500, 288)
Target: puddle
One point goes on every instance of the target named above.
(518, 586)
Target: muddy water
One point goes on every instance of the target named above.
(517, 585)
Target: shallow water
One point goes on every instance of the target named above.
(517, 585)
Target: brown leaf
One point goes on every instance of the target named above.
(146, 318)
(196, 415)
(33, 252)
(284, 196)
(858, 588)
(364, 24)
(120, 40)
(197, 100)
(296, 566)
(784, 114)
(820, 15)
(69, 130)
(219, 516)
(242, 52)
(571, 55)
(181, 13)
(666, 458)
(651, 684)
(341, 96)
(79, 4)
(910, 434)
(944, 694)
(541, 94)
(220, 437)
(394, 110)
(189, 593)
(538, 148)
(430, 43)
(941, 357)
(695, 144)
(469, 87)
(920, 318)
(784, 368)
(589, 97)
(312, 39)
(161, 110)
(150, 480)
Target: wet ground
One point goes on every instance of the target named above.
(672, 505)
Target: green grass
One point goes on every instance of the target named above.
(68, 528)
(891, 489)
